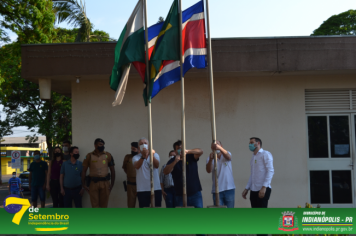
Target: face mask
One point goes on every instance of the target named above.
(37, 157)
(14, 176)
(171, 156)
(143, 146)
(134, 153)
(179, 151)
(76, 156)
(217, 151)
(101, 149)
(252, 147)
(57, 154)
(65, 149)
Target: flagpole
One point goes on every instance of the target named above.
(149, 109)
(212, 110)
(183, 107)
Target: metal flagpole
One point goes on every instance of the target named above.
(212, 110)
(183, 107)
(149, 109)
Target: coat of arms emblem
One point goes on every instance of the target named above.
(288, 222)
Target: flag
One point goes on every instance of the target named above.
(153, 32)
(129, 48)
(194, 48)
(166, 47)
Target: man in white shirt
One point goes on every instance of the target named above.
(261, 175)
(141, 163)
(224, 172)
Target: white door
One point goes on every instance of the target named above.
(331, 151)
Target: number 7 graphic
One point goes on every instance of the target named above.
(18, 201)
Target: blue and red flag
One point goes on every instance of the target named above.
(194, 48)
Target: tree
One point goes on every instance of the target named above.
(160, 19)
(22, 104)
(74, 13)
(31, 20)
(341, 24)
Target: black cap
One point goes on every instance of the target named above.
(134, 144)
(99, 140)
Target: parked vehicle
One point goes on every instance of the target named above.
(24, 180)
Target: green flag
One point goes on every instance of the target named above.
(129, 48)
(166, 47)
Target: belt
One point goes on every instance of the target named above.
(78, 187)
(131, 183)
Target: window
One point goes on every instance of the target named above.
(320, 187)
(329, 136)
(9, 164)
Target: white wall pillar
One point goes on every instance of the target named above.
(45, 88)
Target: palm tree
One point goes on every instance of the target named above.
(160, 19)
(74, 13)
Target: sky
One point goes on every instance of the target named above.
(228, 18)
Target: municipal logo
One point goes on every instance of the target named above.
(288, 222)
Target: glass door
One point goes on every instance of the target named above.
(331, 148)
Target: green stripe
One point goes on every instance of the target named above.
(133, 49)
(115, 78)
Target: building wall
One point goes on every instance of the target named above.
(6, 170)
(269, 107)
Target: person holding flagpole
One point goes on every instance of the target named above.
(224, 174)
(175, 166)
(142, 163)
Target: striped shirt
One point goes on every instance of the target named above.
(166, 180)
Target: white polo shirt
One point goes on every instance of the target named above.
(224, 171)
(261, 170)
(143, 176)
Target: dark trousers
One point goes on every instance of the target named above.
(144, 198)
(72, 195)
(257, 202)
(171, 197)
(55, 190)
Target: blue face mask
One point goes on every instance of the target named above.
(37, 157)
(252, 147)
(179, 151)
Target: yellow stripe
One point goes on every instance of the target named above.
(51, 229)
(164, 31)
(19, 149)
(327, 224)
(159, 35)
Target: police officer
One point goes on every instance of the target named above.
(99, 162)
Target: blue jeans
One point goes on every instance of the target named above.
(196, 200)
(16, 193)
(170, 198)
(37, 191)
(144, 198)
(226, 198)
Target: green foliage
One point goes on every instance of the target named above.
(31, 20)
(22, 104)
(74, 13)
(4, 37)
(341, 24)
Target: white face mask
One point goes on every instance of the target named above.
(14, 176)
(172, 157)
(217, 151)
(143, 146)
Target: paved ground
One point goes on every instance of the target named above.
(4, 191)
